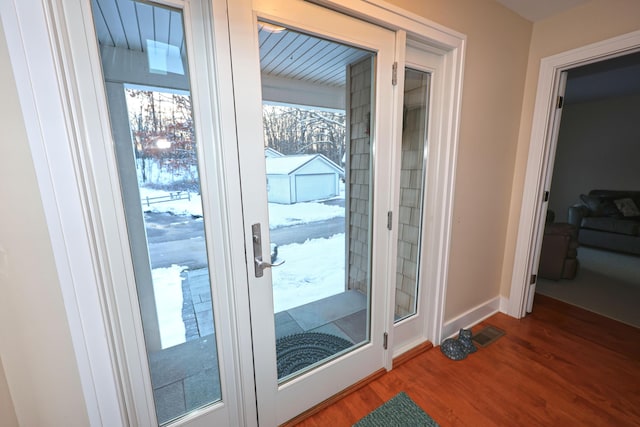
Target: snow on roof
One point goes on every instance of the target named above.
(270, 152)
(286, 165)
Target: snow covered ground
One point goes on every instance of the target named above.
(167, 289)
(313, 270)
(279, 215)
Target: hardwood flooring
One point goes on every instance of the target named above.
(559, 366)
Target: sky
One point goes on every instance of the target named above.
(303, 278)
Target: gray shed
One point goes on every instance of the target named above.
(302, 178)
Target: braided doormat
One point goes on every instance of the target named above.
(297, 351)
(400, 411)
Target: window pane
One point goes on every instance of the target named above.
(414, 135)
(317, 120)
(143, 55)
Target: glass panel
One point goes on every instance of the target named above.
(317, 99)
(412, 176)
(145, 73)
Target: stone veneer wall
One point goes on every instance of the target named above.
(411, 189)
(359, 175)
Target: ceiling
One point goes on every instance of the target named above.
(286, 54)
(614, 77)
(536, 10)
(127, 24)
(292, 55)
(283, 53)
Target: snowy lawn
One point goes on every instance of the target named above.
(176, 207)
(167, 289)
(279, 215)
(301, 213)
(312, 271)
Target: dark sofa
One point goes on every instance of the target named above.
(608, 219)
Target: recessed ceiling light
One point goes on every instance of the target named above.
(271, 28)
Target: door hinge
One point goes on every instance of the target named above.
(534, 277)
(385, 340)
(394, 73)
(389, 220)
(546, 196)
(560, 101)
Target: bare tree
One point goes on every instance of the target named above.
(163, 134)
(296, 130)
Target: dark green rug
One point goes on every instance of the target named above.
(297, 351)
(400, 411)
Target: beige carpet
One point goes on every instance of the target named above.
(607, 283)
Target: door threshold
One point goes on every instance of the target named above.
(335, 398)
(411, 353)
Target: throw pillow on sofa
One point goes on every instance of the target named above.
(601, 206)
(627, 207)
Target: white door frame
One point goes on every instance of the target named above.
(542, 149)
(451, 45)
(59, 81)
(416, 329)
(32, 32)
(28, 27)
(279, 402)
(543, 201)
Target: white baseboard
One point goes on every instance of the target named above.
(504, 305)
(474, 316)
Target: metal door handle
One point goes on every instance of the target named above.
(263, 264)
(258, 263)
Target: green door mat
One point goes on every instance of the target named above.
(400, 411)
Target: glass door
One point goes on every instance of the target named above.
(415, 197)
(317, 181)
(314, 170)
(165, 142)
(412, 176)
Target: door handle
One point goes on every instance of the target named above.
(263, 264)
(258, 263)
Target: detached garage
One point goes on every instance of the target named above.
(302, 178)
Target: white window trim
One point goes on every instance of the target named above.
(30, 36)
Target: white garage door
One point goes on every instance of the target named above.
(314, 187)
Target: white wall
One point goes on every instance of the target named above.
(7, 413)
(495, 66)
(598, 148)
(35, 340)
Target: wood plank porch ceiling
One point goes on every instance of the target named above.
(284, 53)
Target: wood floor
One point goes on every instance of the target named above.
(560, 366)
